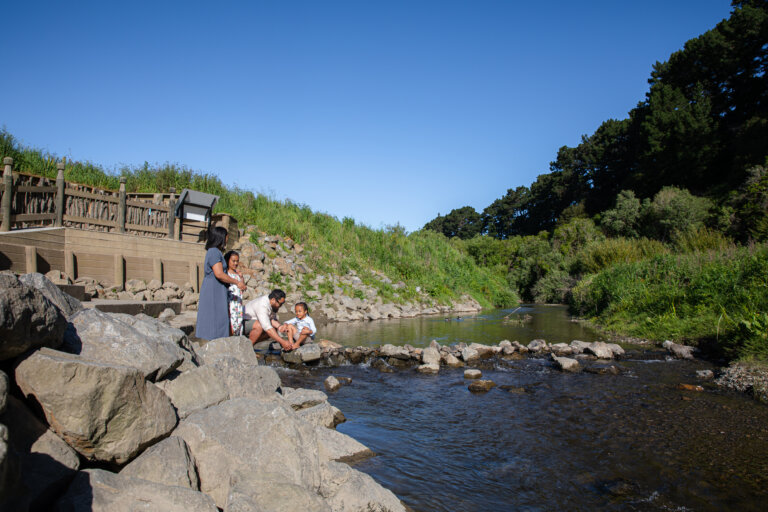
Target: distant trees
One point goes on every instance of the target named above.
(702, 125)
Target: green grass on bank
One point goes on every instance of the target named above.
(718, 296)
(424, 260)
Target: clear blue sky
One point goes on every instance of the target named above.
(387, 112)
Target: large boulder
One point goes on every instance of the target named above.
(238, 347)
(349, 490)
(566, 364)
(430, 355)
(261, 493)
(65, 302)
(255, 436)
(27, 318)
(46, 464)
(390, 350)
(244, 380)
(98, 490)
(194, 390)
(106, 412)
(304, 398)
(333, 445)
(324, 415)
(168, 462)
(117, 339)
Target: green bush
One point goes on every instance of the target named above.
(603, 254)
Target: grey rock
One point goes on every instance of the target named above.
(244, 380)
(105, 412)
(65, 302)
(472, 374)
(469, 354)
(481, 386)
(168, 462)
(58, 277)
(599, 349)
(616, 349)
(166, 314)
(238, 347)
(537, 346)
(390, 350)
(332, 445)
(303, 398)
(679, 351)
(349, 490)
(98, 490)
(140, 342)
(265, 493)
(135, 286)
(332, 384)
(484, 351)
(430, 368)
(27, 318)
(46, 464)
(304, 354)
(561, 349)
(323, 415)
(579, 346)
(705, 374)
(154, 285)
(451, 360)
(194, 390)
(254, 436)
(430, 355)
(566, 364)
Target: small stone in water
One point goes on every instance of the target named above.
(690, 387)
(481, 386)
(472, 374)
(705, 374)
(332, 383)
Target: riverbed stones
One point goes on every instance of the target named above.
(451, 360)
(561, 349)
(537, 346)
(65, 302)
(395, 352)
(430, 368)
(472, 374)
(106, 412)
(430, 355)
(578, 346)
(45, 463)
(705, 374)
(481, 386)
(599, 349)
(566, 364)
(469, 354)
(678, 351)
(115, 339)
(168, 462)
(304, 354)
(332, 384)
(233, 435)
(99, 490)
(27, 318)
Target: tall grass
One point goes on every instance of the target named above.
(424, 261)
(694, 296)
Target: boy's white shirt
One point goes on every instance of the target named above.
(304, 322)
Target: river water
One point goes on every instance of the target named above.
(542, 439)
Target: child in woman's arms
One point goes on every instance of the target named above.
(300, 327)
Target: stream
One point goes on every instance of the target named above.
(543, 439)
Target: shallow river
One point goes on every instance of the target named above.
(548, 440)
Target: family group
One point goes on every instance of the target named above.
(221, 311)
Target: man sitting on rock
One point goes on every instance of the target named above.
(260, 317)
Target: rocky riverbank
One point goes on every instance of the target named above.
(103, 411)
(277, 262)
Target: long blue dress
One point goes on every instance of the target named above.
(212, 308)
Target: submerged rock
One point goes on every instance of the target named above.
(566, 364)
(679, 351)
(481, 386)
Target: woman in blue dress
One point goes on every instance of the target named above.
(213, 307)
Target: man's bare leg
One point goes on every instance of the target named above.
(257, 334)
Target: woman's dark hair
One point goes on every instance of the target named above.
(303, 305)
(229, 254)
(217, 237)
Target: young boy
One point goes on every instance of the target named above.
(301, 326)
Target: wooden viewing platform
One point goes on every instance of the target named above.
(110, 236)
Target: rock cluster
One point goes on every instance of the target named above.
(431, 359)
(124, 413)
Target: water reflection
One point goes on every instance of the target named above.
(552, 323)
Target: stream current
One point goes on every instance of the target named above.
(543, 439)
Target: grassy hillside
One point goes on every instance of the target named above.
(423, 260)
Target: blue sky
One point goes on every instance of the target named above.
(386, 112)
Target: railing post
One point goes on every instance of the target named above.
(119, 271)
(121, 207)
(69, 264)
(30, 253)
(7, 193)
(60, 194)
(171, 216)
(157, 269)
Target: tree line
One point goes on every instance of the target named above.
(701, 132)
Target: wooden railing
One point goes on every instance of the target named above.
(34, 201)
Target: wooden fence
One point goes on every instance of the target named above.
(36, 201)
